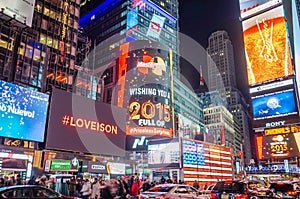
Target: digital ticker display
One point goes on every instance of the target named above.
(267, 47)
(271, 105)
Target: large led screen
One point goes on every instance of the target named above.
(80, 124)
(249, 7)
(267, 48)
(273, 105)
(147, 94)
(205, 162)
(278, 146)
(163, 154)
(23, 112)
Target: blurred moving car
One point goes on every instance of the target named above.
(171, 191)
(284, 190)
(237, 189)
(208, 189)
(29, 191)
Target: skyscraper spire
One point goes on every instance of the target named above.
(201, 76)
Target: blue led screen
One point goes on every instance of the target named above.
(274, 105)
(23, 112)
(132, 18)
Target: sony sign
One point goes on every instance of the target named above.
(275, 124)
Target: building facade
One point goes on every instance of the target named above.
(221, 77)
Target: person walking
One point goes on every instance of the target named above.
(196, 185)
(95, 189)
(135, 188)
(72, 186)
(86, 189)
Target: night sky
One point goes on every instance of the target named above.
(199, 18)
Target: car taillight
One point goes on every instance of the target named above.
(213, 196)
(292, 193)
(242, 196)
(162, 197)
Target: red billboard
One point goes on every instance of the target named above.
(267, 47)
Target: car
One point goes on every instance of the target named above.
(285, 190)
(208, 189)
(171, 191)
(29, 191)
(240, 189)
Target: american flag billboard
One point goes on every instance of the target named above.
(205, 162)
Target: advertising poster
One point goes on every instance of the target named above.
(148, 91)
(85, 125)
(23, 112)
(21, 9)
(162, 154)
(248, 7)
(284, 145)
(206, 162)
(155, 26)
(276, 104)
(267, 47)
(186, 127)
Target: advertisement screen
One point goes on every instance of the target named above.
(148, 90)
(164, 155)
(267, 48)
(23, 112)
(187, 128)
(85, 125)
(278, 145)
(249, 7)
(206, 162)
(273, 105)
(21, 9)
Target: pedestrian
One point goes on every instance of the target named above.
(95, 189)
(31, 181)
(86, 189)
(196, 185)
(162, 180)
(19, 180)
(130, 182)
(146, 185)
(72, 186)
(121, 192)
(135, 188)
(7, 182)
(106, 191)
(125, 185)
(2, 184)
(169, 180)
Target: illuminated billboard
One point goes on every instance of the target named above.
(147, 89)
(23, 112)
(272, 105)
(267, 47)
(187, 128)
(206, 162)
(249, 7)
(21, 10)
(163, 154)
(278, 145)
(85, 125)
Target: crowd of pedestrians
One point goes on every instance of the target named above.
(121, 188)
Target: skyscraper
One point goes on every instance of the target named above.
(222, 77)
(44, 54)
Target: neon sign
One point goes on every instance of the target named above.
(90, 125)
